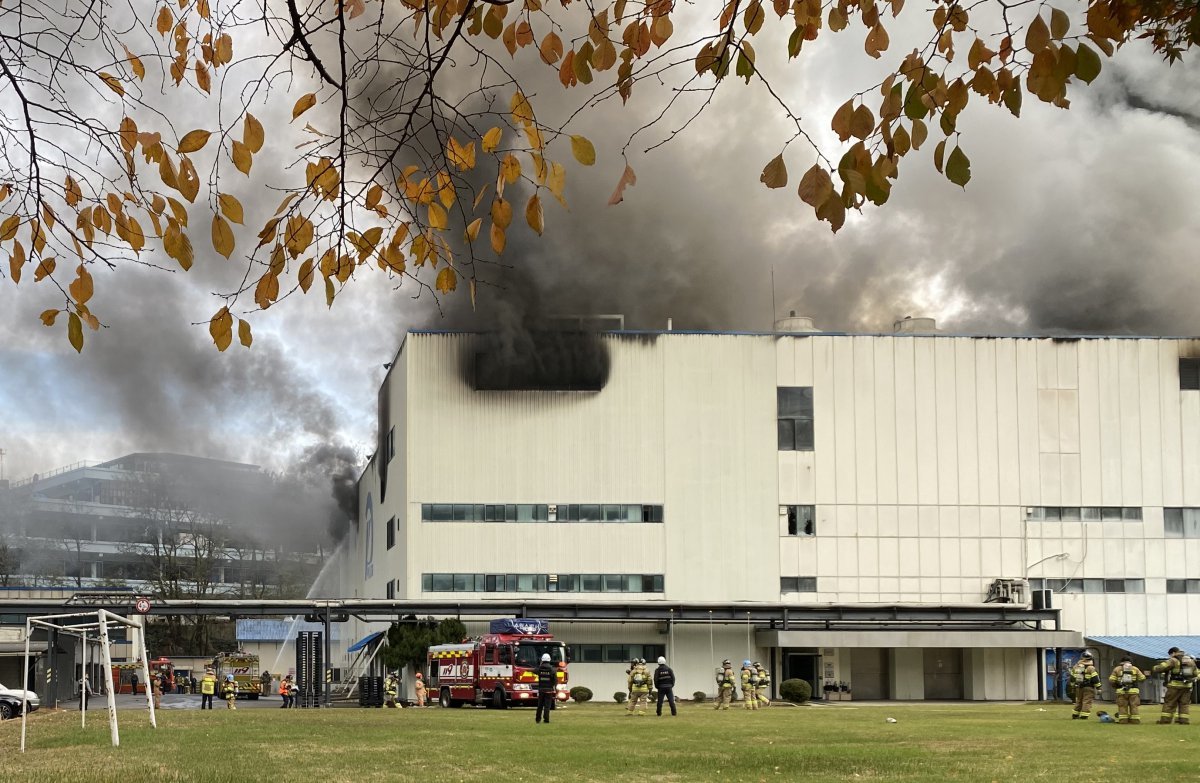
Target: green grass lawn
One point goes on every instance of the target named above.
(968, 742)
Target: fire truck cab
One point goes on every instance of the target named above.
(499, 669)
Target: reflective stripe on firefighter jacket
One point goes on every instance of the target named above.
(724, 678)
(208, 685)
(389, 687)
(229, 689)
(749, 678)
(1125, 678)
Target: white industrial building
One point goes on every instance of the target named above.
(865, 491)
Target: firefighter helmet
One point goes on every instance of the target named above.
(545, 657)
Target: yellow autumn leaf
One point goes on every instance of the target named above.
(81, 287)
(49, 316)
(230, 207)
(222, 236)
(165, 21)
(498, 239)
(221, 328)
(491, 139)
(473, 229)
(135, 63)
(583, 150)
(75, 332)
(501, 213)
(556, 181)
(113, 83)
(447, 280)
(253, 135)
(242, 157)
(244, 335)
(194, 141)
(437, 216)
(305, 103)
(533, 214)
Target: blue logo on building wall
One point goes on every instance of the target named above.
(369, 544)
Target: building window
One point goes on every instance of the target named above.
(1089, 585)
(1189, 374)
(391, 443)
(391, 532)
(798, 584)
(615, 653)
(1183, 585)
(794, 414)
(1084, 514)
(1181, 522)
(541, 512)
(542, 583)
(801, 520)
(391, 589)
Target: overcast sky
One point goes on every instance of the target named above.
(1076, 221)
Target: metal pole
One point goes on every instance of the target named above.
(146, 674)
(25, 684)
(83, 686)
(52, 671)
(106, 655)
(328, 668)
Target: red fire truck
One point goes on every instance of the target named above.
(499, 669)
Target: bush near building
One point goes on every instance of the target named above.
(619, 697)
(581, 694)
(795, 691)
(699, 697)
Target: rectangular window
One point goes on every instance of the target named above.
(1110, 514)
(1189, 374)
(798, 584)
(426, 583)
(589, 512)
(391, 589)
(391, 443)
(1086, 513)
(614, 583)
(1070, 513)
(801, 520)
(1177, 586)
(443, 583)
(463, 583)
(391, 533)
(794, 414)
(591, 583)
(1181, 522)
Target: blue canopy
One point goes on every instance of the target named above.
(363, 642)
(1154, 647)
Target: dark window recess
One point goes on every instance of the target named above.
(797, 584)
(541, 512)
(1086, 514)
(1189, 374)
(1183, 585)
(391, 533)
(1181, 522)
(391, 443)
(391, 588)
(794, 414)
(615, 653)
(802, 520)
(542, 583)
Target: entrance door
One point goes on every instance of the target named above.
(943, 673)
(869, 673)
(804, 666)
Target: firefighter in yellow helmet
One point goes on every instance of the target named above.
(229, 691)
(1126, 679)
(1179, 670)
(724, 685)
(639, 687)
(1086, 680)
(749, 685)
(764, 683)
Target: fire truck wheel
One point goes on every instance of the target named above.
(498, 700)
(444, 699)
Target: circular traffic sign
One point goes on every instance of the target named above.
(142, 606)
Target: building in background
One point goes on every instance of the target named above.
(847, 478)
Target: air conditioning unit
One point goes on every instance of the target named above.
(1008, 591)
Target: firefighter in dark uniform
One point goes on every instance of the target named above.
(1126, 679)
(547, 683)
(1179, 671)
(1086, 680)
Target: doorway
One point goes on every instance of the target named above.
(869, 673)
(804, 666)
(943, 673)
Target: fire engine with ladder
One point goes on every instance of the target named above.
(499, 669)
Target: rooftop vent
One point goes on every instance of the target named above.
(800, 324)
(910, 325)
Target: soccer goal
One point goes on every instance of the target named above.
(91, 629)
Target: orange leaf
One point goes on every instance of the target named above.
(194, 141)
(222, 236)
(305, 103)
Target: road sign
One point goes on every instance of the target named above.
(142, 606)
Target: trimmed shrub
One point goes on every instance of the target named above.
(619, 697)
(581, 694)
(699, 697)
(795, 691)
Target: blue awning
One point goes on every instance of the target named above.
(1154, 647)
(363, 642)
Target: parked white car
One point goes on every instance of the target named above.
(11, 700)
